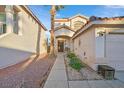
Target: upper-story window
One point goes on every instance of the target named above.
(15, 20)
(2, 17)
(2, 23)
(78, 24)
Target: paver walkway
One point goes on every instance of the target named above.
(58, 79)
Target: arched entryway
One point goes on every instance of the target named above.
(63, 43)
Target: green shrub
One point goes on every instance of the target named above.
(71, 55)
(75, 63)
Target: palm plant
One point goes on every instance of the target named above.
(53, 10)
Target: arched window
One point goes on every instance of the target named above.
(78, 24)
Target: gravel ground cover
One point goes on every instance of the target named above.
(86, 73)
(31, 73)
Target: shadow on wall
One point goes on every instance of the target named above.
(40, 44)
(10, 56)
(45, 44)
(38, 41)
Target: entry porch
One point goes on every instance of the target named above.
(62, 44)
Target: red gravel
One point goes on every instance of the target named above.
(26, 74)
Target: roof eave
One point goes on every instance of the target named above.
(64, 27)
(33, 15)
(79, 15)
(97, 22)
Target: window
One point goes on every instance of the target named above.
(2, 17)
(2, 29)
(78, 24)
(15, 17)
(15, 28)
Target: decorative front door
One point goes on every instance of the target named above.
(60, 46)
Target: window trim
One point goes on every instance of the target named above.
(2, 31)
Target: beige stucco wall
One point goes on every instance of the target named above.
(15, 48)
(87, 46)
(31, 37)
(99, 50)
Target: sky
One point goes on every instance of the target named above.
(43, 11)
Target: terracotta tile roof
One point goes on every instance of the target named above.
(70, 18)
(94, 18)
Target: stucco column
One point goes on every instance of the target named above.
(100, 47)
(19, 23)
(9, 18)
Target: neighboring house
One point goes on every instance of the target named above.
(21, 35)
(101, 41)
(64, 30)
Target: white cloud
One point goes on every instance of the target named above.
(109, 11)
(114, 6)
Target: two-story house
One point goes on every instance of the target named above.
(64, 30)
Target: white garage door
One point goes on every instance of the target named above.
(115, 50)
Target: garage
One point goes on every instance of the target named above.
(115, 49)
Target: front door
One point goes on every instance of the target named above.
(60, 46)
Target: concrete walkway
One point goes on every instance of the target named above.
(58, 79)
